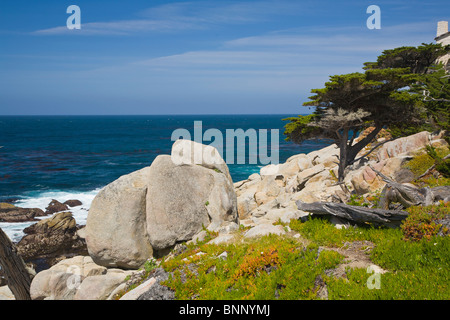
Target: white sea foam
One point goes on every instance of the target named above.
(41, 201)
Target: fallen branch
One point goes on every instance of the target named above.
(428, 171)
(356, 214)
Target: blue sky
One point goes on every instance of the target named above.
(192, 57)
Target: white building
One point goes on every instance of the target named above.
(443, 37)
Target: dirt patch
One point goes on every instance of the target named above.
(357, 255)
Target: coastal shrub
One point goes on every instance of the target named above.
(432, 182)
(272, 267)
(421, 221)
(416, 269)
(420, 284)
(419, 164)
(444, 168)
(324, 233)
(282, 267)
(356, 200)
(371, 200)
(422, 162)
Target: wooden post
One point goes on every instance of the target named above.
(14, 269)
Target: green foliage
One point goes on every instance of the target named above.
(416, 269)
(430, 92)
(444, 168)
(299, 127)
(418, 60)
(442, 165)
(322, 232)
(432, 182)
(149, 265)
(419, 284)
(269, 268)
(422, 162)
(421, 221)
(282, 267)
(436, 87)
(356, 200)
(419, 164)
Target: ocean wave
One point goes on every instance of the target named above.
(41, 200)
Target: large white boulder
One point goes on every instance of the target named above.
(62, 280)
(184, 198)
(116, 234)
(158, 206)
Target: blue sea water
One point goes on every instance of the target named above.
(72, 157)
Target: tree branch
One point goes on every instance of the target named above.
(365, 155)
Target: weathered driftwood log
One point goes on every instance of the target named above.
(354, 213)
(14, 269)
(408, 195)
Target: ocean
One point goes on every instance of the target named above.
(73, 157)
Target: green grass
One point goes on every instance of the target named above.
(421, 162)
(420, 284)
(322, 232)
(269, 268)
(416, 269)
(284, 267)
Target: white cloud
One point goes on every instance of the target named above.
(123, 27)
(183, 16)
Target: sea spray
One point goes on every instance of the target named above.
(41, 201)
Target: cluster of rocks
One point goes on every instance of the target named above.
(272, 194)
(12, 213)
(147, 213)
(49, 240)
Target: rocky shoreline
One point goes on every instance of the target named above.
(150, 213)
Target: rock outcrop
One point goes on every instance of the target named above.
(77, 278)
(51, 240)
(55, 206)
(115, 228)
(312, 178)
(181, 199)
(403, 145)
(73, 203)
(11, 213)
(148, 211)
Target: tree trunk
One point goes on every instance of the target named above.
(348, 152)
(14, 269)
(356, 148)
(343, 153)
(356, 214)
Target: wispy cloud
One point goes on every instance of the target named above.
(123, 27)
(348, 39)
(184, 16)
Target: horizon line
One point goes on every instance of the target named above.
(149, 114)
